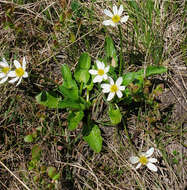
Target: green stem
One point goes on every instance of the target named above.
(128, 137)
(81, 87)
(121, 51)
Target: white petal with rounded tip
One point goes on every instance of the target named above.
(108, 22)
(153, 160)
(119, 81)
(138, 166)
(19, 81)
(149, 152)
(110, 96)
(107, 69)
(105, 86)
(134, 159)
(120, 10)
(105, 77)
(4, 60)
(111, 80)
(102, 66)
(93, 72)
(121, 88)
(3, 64)
(98, 78)
(108, 13)
(119, 94)
(17, 64)
(25, 75)
(24, 63)
(124, 19)
(3, 80)
(152, 167)
(2, 75)
(13, 80)
(12, 74)
(106, 90)
(99, 64)
(115, 10)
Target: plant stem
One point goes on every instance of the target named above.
(128, 137)
(121, 51)
(81, 87)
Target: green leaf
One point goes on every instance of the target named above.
(68, 103)
(84, 61)
(155, 70)
(36, 152)
(56, 177)
(94, 139)
(28, 138)
(115, 116)
(111, 51)
(82, 75)
(51, 171)
(74, 119)
(69, 92)
(48, 99)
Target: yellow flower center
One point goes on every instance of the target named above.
(5, 70)
(20, 72)
(100, 72)
(143, 160)
(114, 88)
(116, 18)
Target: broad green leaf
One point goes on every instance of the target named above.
(74, 119)
(36, 152)
(69, 92)
(115, 116)
(94, 139)
(111, 51)
(69, 103)
(84, 61)
(28, 138)
(48, 99)
(56, 177)
(155, 70)
(82, 75)
(51, 171)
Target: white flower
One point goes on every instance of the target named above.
(19, 72)
(4, 70)
(100, 72)
(113, 89)
(115, 16)
(144, 159)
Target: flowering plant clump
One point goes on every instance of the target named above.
(19, 72)
(115, 16)
(144, 159)
(4, 70)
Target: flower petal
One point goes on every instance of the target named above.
(17, 64)
(110, 96)
(107, 69)
(3, 64)
(149, 152)
(98, 78)
(109, 22)
(25, 75)
(115, 10)
(124, 19)
(93, 72)
(12, 74)
(108, 13)
(5, 61)
(152, 167)
(106, 87)
(134, 159)
(121, 88)
(105, 77)
(3, 80)
(99, 64)
(13, 80)
(24, 63)
(119, 81)
(138, 166)
(19, 81)
(119, 94)
(120, 10)
(2, 75)
(111, 80)
(153, 160)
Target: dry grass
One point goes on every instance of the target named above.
(32, 29)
